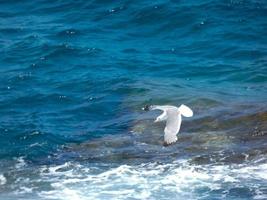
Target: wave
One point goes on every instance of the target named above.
(154, 180)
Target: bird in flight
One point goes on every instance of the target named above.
(173, 117)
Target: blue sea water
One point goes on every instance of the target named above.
(75, 74)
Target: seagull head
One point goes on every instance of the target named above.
(146, 108)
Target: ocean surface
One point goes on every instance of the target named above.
(75, 75)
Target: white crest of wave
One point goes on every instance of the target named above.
(20, 162)
(151, 181)
(2, 179)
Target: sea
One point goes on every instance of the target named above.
(76, 74)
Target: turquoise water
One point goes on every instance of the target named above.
(75, 74)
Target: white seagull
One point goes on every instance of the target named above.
(173, 117)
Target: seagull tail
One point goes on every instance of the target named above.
(185, 111)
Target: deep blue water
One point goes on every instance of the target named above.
(75, 74)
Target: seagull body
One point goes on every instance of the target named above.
(173, 117)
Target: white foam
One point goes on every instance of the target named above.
(2, 179)
(24, 190)
(147, 181)
(260, 195)
(20, 163)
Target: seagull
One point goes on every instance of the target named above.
(173, 117)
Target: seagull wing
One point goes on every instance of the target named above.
(164, 115)
(185, 111)
(172, 126)
(163, 108)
